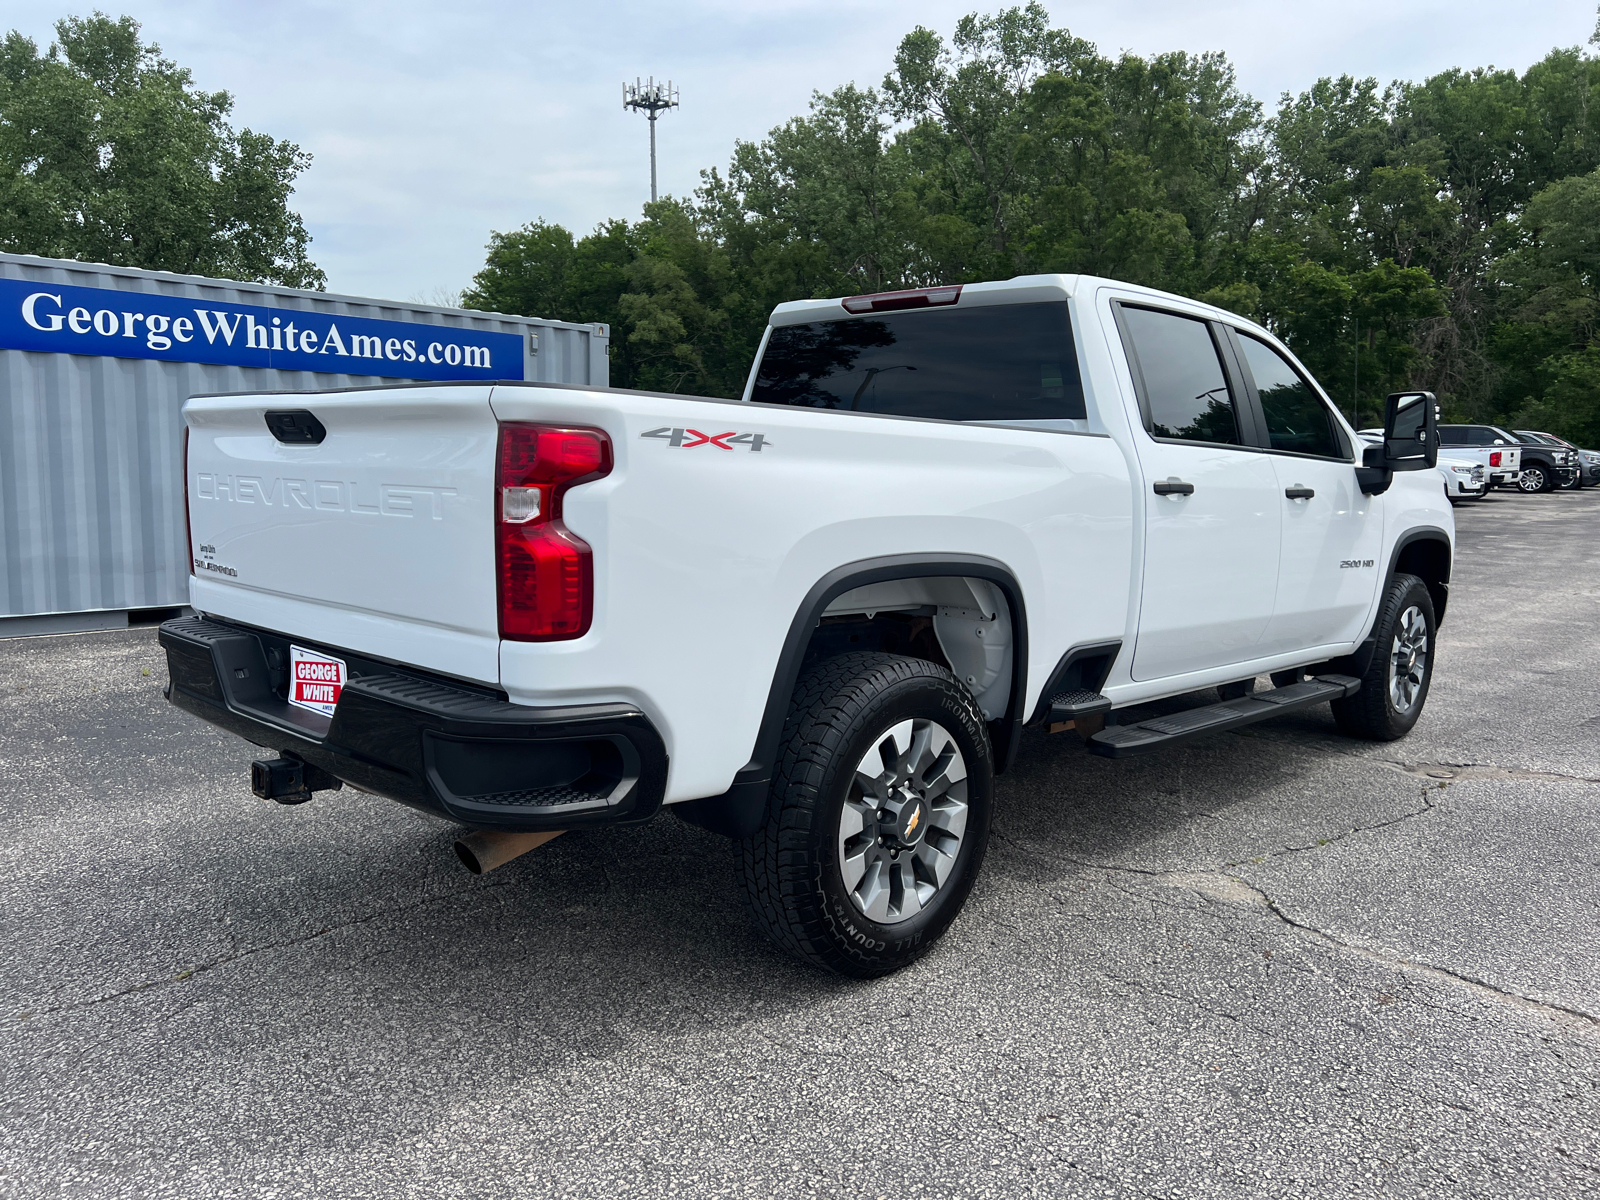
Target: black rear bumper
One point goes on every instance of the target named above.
(463, 753)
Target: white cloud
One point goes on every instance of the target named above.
(432, 125)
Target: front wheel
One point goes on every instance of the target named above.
(1534, 479)
(878, 816)
(1395, 685)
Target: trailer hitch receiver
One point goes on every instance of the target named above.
(289, 780)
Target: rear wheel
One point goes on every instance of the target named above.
(1534, 479)
(1395, 685)
(878, 817)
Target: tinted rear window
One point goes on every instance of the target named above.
(1004, 362)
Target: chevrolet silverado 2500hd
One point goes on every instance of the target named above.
(815, 619)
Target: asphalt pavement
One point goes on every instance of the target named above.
(1274, 963)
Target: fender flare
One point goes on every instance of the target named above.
(1356, 662)
(740, 811)
(1424, 533)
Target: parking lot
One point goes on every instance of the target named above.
(1274, 963)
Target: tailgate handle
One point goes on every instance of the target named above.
(296, 427)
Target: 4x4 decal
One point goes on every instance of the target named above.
(688, 439)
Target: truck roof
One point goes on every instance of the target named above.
(1021, 289)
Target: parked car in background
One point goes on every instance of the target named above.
(1586, 462)
(1463, 478)
(1544, 467)
(1498, 451)
(1589, 464)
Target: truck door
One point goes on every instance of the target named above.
(1332, 533)
(1211, 501)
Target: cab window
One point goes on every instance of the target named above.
(1297, 419)
(1185, 391)
(1002, 362)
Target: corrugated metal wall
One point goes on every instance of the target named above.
(91, 477)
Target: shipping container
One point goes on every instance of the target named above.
(95, 365)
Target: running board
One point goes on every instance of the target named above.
(1120, 741)
(1078, 702)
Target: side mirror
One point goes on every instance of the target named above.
(1410, 431)
(1410, 441)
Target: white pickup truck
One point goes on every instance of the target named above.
(816, 619)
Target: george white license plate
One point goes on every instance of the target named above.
(315, 680)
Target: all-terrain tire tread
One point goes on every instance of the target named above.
(778, 867)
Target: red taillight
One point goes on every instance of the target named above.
(1494, 458)
(188, 527)
(546, 572)
(911, 298)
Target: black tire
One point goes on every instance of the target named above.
(1572, 484)
(794, 886)
(1535, 478)
(1372, 713)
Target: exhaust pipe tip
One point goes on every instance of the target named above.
(483, 850)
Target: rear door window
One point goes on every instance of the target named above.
(1002, 362)
(1184, 388)
(1297, 419)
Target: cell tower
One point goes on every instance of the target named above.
(650, 97)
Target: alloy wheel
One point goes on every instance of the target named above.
(903, 821)
(1532, 480)
(1408, 660)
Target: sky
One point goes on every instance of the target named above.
(431, 125)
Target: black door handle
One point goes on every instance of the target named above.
(1299, 493)
(1173, 486)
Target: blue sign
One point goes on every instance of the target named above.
(56, 319)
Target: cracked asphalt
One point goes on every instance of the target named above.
(1276, 963)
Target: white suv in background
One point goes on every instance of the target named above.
(1463, 478)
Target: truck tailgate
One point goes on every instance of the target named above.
(378, 539)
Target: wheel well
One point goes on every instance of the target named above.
(1429, 560)
(960, 623)
(908, 634)
(911, 583)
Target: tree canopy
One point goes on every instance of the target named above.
(1440, 234)
(110, 153)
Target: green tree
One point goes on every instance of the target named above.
(1436, 233)
(110, 153)
(1548, 343)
